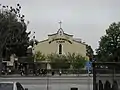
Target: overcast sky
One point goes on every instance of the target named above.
(85, 19)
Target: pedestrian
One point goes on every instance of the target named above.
(60, 72)
(39, 71)
(22, 72)
(52, 73)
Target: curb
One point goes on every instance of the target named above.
(55, 76)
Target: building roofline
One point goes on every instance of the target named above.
(79, 42)
(68, 34)
(57, 33)
(52, 34)
(43, 40)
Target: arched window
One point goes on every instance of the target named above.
(60, 49)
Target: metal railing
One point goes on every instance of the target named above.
(106, 76)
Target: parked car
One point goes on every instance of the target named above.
(11, 86)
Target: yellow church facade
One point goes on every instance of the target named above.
(61, 43)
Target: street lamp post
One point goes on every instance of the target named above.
(47, 79)
(33, 51)
(34, 48)
(47, 82)
(0, 62)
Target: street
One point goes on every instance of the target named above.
(53, 83)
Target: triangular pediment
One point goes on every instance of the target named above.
(60, 32)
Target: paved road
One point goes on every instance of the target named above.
(54, 83)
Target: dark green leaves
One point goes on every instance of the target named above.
(109, 44)
(13, 33)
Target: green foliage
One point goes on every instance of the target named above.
(64, 61)
(76, 60)
(13, 35)
(33, 42)
(58, 61)
(90, 51)
(109, 45)
(40, 56)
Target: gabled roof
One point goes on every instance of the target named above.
(73, 40)
(59, 31)
(68, 34)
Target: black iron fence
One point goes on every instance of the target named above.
(36, 68)
(106, 76)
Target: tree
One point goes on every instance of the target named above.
(64, 61)
(90, 52)
(13, 35)
(109, 45)
(76, 60)
(39, 56)
(58, 61)
(33, 42)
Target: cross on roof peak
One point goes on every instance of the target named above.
(60, 23)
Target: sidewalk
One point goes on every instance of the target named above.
(56, 75)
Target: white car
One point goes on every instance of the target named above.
(11, 86)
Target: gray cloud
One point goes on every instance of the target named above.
(86, 19)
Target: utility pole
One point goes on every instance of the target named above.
(34, 47)
(0, 60)
(47, 82)
(33, 52)
(88, 81)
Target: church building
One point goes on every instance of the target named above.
(61, 43)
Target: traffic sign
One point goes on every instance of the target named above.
(88, 66)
